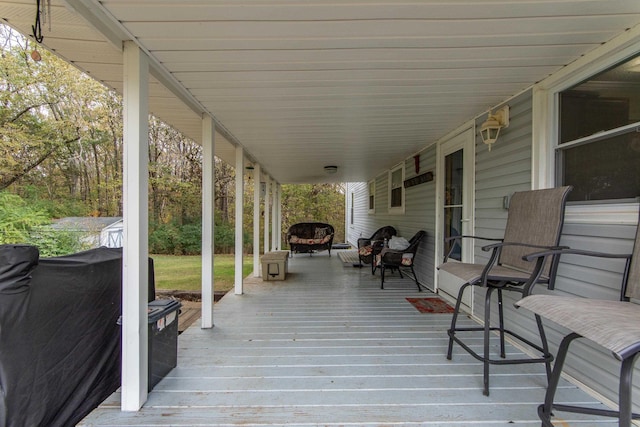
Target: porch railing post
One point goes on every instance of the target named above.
(208, 227)
(256, 220)
(274, 214)
(239, 224)
(135, 270)
(267, 221)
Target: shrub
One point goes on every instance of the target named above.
(52, 242)
(190, 239)
(17, 220)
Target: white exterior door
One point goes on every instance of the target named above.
(455, 207)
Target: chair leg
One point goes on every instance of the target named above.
(382, 276)
(487, 337)
(625, 401)
(545, 347)
(454, 319)
(545, 410)
(624, 412)
(415, 278)
(503, 353)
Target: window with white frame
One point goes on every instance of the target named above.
(396, 189)
(372, 196)
(598, 150)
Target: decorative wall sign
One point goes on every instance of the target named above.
(420, 179)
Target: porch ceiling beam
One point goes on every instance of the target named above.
(95, 15)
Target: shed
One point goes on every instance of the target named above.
(95, 231)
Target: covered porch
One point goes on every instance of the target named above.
(327, 346)
(371, 89)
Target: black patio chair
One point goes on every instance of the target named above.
(534, 220)
(396, 260)
(369, 248)
(610, 324)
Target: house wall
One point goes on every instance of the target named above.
(419, 212)
(500, 172)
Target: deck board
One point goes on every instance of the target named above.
(328, 347)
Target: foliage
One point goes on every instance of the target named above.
(21, 223)
(224, 238)
(17, 219)
(61, 150)
(52, 242)
(175, 239)
(314, 202)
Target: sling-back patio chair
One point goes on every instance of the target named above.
(534, 220)
(614, 325)
(394, 259)
(368, 248)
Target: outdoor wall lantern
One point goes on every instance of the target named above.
(490, 129)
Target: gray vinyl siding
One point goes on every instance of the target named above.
(360, 226)
(499, 173)
(419, 213)
(420, 210)
(506, 169)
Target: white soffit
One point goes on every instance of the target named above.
(359, 84)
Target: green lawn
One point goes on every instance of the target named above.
(184, 273)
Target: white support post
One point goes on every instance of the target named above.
(267, 207)
(274, 215)
(279, 218)
(256, 220)
(239, 226)
(135, 206)
(208, 197)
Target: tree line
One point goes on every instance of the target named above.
(61, 155)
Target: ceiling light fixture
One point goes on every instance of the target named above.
(490, 129)
(331, 169)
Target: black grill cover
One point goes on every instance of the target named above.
(59, 337)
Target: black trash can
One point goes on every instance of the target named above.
(163, 339)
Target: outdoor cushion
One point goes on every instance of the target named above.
(310, 236)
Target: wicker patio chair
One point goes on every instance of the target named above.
(369, 248)
(392, 259)
(613, 325)
(534, 220)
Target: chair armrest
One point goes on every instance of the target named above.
(524, 245)
(448, 239)
(564, 250)
(497, 250)
(541, 256)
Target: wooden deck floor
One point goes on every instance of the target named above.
(328, 347)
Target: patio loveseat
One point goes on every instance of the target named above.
(307, 237)
(60, 341)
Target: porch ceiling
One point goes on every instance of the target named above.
(360, 84)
